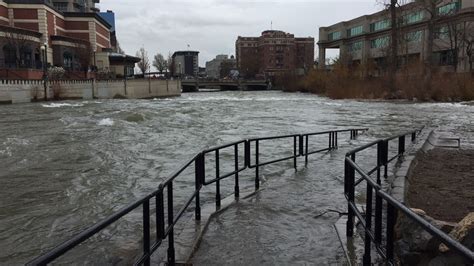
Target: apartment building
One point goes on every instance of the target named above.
(366, 39)
(185, 63)
(273, 53)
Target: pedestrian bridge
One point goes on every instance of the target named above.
(193, 85)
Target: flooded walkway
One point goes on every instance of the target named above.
(290, 221)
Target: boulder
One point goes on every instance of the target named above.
(463, 233)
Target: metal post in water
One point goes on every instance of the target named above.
(146, 232)
(294, 153)
(160, 214)
(257, 178)
(198, 174)
(368, 226)
(218, 185)
(391, 220)
(236, 162)
(350, 197)
(306, 153)
(171, 251)
(335, 139)
(401, 145)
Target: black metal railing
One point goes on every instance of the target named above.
(300, 148)
(372, 220)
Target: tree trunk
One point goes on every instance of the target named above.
(427, 65)
(394, 47)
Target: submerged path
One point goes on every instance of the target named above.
(290, 221)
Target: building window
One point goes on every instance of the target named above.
(334, 36)
(61, 6)
(449, 9)
(380, 42)
(25, 57)
(414, 36)
(355, 46)
(442, 33)
(67, 60)
(380, 25)
(355, 31)
(413, 17)
(446, 58)
(9, 53)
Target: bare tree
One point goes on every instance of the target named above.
(144, 64)
(160, 63)
(17, 43)
(468, 40)
(84, 54)
(170, 62)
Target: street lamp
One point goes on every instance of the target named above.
(124, 73)
(95, 61)
(44, 51)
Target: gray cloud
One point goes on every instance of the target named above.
(212, 26)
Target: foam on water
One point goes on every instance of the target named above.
(58, 105)
(106, 122)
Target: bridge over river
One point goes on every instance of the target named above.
(193, 85)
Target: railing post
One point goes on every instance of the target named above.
(385, 157)
(160, 214)
(306, 153)
(199, 178)
(257, 178)
(247, 153)
(171, 251)
(295, 153)
(301, 145)
(335, 138)
(413, 136)
(350, 197)
(218, 183)
(236, 162)
(146, 232)
(368, 226)
(391, 220)
(401, 145)
(330, 141)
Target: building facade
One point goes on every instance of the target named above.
(220, 66)
(274, 52)
(185, 63)
(366, 39)
(31, 29)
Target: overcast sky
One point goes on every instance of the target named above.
(212, 26)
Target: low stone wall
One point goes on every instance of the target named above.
(21, 91)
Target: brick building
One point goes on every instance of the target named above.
(273, 53)
(73, 36)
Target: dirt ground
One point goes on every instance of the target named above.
(442, 184)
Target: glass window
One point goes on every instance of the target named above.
(334, 36)
(442, 33)
(380, 25)
(380, 42)
(448, 9)
(414, 36)
(413, 17)
(9, 53)
(355, 46)
(355, 31)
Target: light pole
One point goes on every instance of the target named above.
(124, 73)
(44, 50)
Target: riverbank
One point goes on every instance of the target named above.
(442, 184)
(345, 83)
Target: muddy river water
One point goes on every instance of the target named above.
(65, 165)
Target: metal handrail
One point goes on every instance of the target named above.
(373, 233)
(167, 231)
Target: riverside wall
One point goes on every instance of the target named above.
(23, 91)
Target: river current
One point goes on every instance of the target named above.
(66, 165)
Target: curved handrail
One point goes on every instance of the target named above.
(393, 205)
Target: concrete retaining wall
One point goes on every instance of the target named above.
(21, 91)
